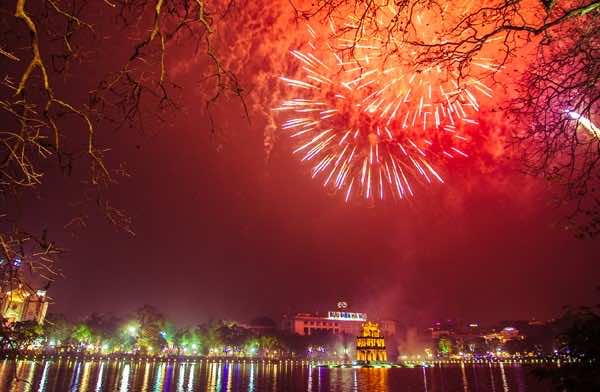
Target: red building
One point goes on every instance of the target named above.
(335, 322)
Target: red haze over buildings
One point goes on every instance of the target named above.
(225, 230)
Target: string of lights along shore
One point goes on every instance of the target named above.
(372, 123)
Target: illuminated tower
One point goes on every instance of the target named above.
(13, 304)
(370, 345)
(21, 304)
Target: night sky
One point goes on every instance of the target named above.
(225, 230)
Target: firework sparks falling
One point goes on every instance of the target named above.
(370, 125)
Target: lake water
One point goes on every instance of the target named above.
(78, 375)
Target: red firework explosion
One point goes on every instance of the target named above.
(372, 124)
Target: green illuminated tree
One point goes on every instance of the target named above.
(212, 337)
(128, 335)
(151, 323)
(168, 333)
(58, 329)
(251, 346)
(82, 334)
(190, 341)
(103, 327)
(268, 343)
(444, 346)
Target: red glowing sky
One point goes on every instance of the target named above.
(224, 229)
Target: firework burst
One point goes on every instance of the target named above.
(370, 124)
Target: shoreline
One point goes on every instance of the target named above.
(36, 356)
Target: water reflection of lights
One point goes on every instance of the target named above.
(251, 380)
(100, 378)
(319, 379)
(27, 381)
(160, 377)
(191, 377)
(124, 386)
(229, 382)
(215, 369)
(3, 368)
(181, 377)
(211, 380)
(275, 367)
(85, 378)
(44, 378)
(76, 375)
(464, 377)
(251, 376)
(218, 371)
(146, 376)
(503, 374)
